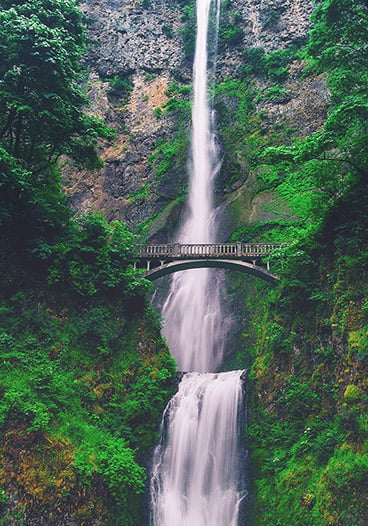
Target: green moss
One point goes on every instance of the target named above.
(352, 394)
(140, 195)
(167, 219)
(342, 489)
(241, 207)
(276, 94)
(169, 156)
(230, 36)
(358, 343)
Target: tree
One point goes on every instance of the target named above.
(41, 99)
(338, 46)
(42, 43)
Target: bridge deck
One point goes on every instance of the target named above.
(207, 250)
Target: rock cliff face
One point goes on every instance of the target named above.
(140, 63)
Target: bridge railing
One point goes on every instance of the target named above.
(155, 251)
(213, 250)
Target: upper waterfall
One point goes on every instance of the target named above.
(193, 319)
(199, 226)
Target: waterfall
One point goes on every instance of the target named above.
(193, 306)
(196, 477)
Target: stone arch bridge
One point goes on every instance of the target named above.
(160, 260)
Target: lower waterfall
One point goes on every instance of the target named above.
(197, 477)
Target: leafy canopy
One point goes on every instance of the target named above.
(42, 43)
(41, 100)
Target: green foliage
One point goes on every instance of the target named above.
(336, 505)
(234, 103)
(246, 135)
(179, 108)
(86, 379)
(188, 31)
(337, 44)
(167, 30)
(33, 211)
(3, 496)
(254, 58)
(231, 31)
(29, 201)
(299, 399)
(158, 112)
(314, 481)
(41, 102)
(102, 453)
(276, 93)
(310, 418)
(41, 117)
(179, 102)
(140, 195)
(352, 394)
(230, 36)
(273, 66)
(96, 257)
(169, 156)
(14, 181)
(314, 173)
(120, 87)
(358, 343)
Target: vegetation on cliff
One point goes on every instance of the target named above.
(308, 434)
(84, 373)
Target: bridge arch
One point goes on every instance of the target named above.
(251, 258)
(243, 266)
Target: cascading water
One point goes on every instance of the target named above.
(196, 480)
(196, 477)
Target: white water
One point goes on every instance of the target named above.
(196, 475)
(194, 324)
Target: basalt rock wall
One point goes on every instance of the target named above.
(140, 60)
